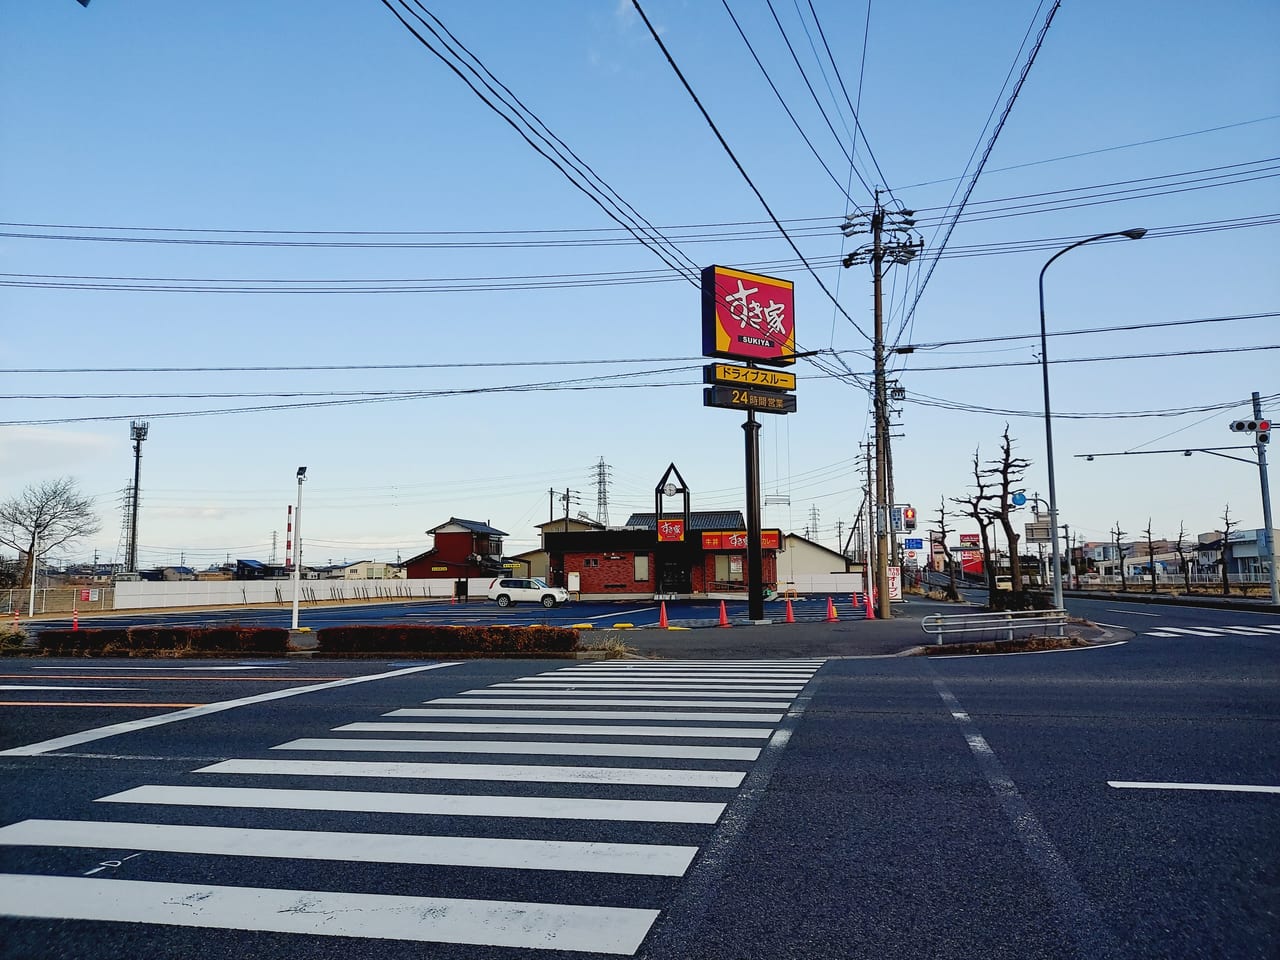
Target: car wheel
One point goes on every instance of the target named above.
(548, 601)
(504, 600)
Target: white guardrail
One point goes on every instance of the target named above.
(979, 627)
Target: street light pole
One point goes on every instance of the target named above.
(297, 545)
(1136, 233)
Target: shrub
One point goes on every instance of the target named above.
(163, 641)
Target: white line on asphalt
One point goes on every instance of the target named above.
(595, 679)
(1134, 613)
(587, 730)
(640, 859)
(666, 693)
(425, 804)
(1080, 918)
(144, 723)
(591, 715)
(1234, 787)
(672, 675)
(536, 747)
(254, 666)
(550, 701)
(501, 923)
(30, 686)
(504, 772)
(1194, 631)
(622, 613)
(689, 686)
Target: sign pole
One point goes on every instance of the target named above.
(755, 555)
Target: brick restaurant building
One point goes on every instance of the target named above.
(633, 562)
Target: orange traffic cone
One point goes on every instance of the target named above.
(831, 611)
(724, 616)
(791, 614)
(871, 610)
(662, 615)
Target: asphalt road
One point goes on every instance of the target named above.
(1078, 804)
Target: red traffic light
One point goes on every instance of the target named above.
(1264, 424)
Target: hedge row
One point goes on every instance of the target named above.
(165, 641)
(454, 641)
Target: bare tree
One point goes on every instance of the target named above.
(942, 531)
(1007, 472)
(44, 517)
(1181, 547)
(1151, 555)
(1227, 526)
(1117, 538)
(975, 508)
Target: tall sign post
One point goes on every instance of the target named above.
(750, 318)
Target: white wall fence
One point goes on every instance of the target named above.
(823, 583)
(229, 593)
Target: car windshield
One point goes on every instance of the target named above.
(540, 584)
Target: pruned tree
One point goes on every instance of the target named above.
(1007, 472)
(942, 531)
(1117, 536)
(1151, 555)
(1181, 547)
(1227, 526)
(44, 517)
(975, 509)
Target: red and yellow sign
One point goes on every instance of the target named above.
(747, 316)
(670, 531)
(737, 539)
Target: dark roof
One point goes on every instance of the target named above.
(252, 564)
(475, 526)
(698, 520)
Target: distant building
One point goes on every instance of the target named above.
(463, 549)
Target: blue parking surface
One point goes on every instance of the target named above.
(599, 614)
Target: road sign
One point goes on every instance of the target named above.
(748, 377)
(913, 543)
(746, 398)
(1038, 533)
(1019, 498)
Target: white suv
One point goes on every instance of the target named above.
(509, 590)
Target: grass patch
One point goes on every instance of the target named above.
(606, 645)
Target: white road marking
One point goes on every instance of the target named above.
(504, 772)
(665, 692)
(168, 668)
(551, 701)
(668, 686)
(1193, 631)
(1134, 613)
(29, 686)
(590, 715)
(594, 680)
(552, 748)
(648, 672)
(638, 859)
(563, 729)
(528, 926)
(1233, 787)
(145, 723)
(422, 804)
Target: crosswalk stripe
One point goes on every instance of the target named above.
(579, 702)
(711, 683)
(529, 926)
(578, 729)
(589, 714)
(561, 748)
(670, 685)
(510, 773)
(1194, 631)
(707, 675)
(421, 804)
(666, 693)
(681, 664)
(638, 859)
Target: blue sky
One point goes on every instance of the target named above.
(304, 146)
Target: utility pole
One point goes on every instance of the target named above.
(569, 497)
(1261, 446)
(878, 222)
(602, 492)
(137, 433)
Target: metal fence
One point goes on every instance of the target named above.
(983, 627)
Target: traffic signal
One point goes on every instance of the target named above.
(909, 518)
(1244, 426)
(1264, 431)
